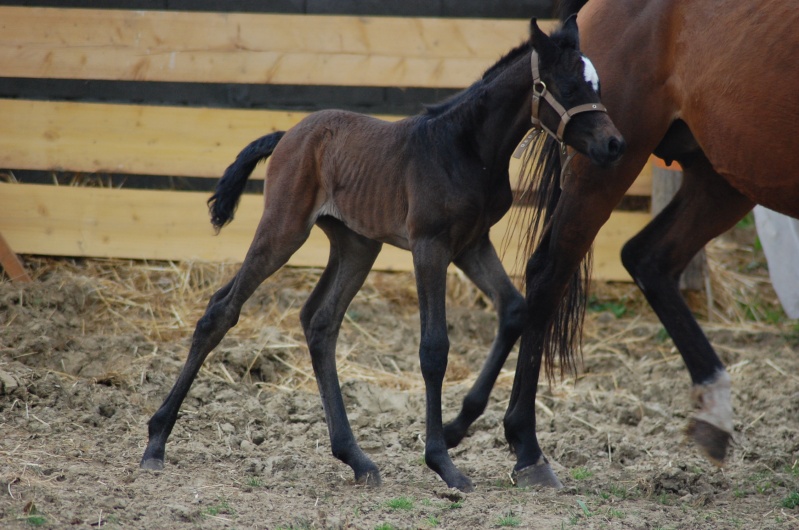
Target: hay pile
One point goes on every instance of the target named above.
(161, 302)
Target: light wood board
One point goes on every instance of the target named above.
(171, 225)
(145, 140)
(252, 48)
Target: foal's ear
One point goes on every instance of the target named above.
(536, 35)
(540, 40)
(569, 33)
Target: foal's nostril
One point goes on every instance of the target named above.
(616, 147)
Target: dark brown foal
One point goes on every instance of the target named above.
(433, 184)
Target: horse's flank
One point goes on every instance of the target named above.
(715, 77)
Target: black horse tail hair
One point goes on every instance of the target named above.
(566, 8)
(562, 340)
(225, 200)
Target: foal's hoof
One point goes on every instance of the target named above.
(710, 439)
(539, 474)
(152, 464)
(463, 483)
(370, 478)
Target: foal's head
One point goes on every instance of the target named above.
(566, 95)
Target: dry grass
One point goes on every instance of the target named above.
(163, 300)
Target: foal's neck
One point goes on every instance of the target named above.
(506, 114)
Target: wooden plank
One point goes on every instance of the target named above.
(251, 48)
(131, 139)
(145, 140)
(146, 224)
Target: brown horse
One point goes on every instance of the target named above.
(433, 184)
(714, 86)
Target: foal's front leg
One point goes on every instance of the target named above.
(482, 265)
(430, 260)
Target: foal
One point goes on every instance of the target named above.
(433, 184)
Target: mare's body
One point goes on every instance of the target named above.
(714, 86)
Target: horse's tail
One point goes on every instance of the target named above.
(225, 199)
(566, 8)
(541, 180)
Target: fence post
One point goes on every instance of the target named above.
(666, 180)
(11, 263)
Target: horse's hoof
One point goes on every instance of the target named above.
(371, 479)
(539, 474)
(710, 439)
(152, 464)
(462, 483)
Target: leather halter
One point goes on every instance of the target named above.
(540, 92)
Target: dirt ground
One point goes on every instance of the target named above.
(90, 349)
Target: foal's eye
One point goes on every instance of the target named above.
(568, 90)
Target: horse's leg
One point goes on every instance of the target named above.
(351, 259)
(278, 236)
(704, 207)
(586, 203)
(546, 281)
(482, 265)
(430, 261)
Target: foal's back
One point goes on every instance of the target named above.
(346, 165)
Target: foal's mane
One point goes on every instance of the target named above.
(477, 88)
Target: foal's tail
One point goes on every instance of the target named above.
(228, 191)
(562, 338)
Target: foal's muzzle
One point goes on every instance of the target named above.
(603, 154)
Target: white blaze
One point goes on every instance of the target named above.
(589, 72)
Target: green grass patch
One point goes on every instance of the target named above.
(35, 519)
(433, 521)
(748, 221)
(220, 508)
(385, 526)
(255, 482)
(508, 519)
(400, 503)
(757, 312)
(792, 337)
(581, 473)
(616, 307)
(665, 499)
(791, 501)
(620, 492)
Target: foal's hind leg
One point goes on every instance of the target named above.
(269, 251)
(351, 259)
(482, 265)
(704, 207)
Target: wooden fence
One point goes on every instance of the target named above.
(190, 51)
